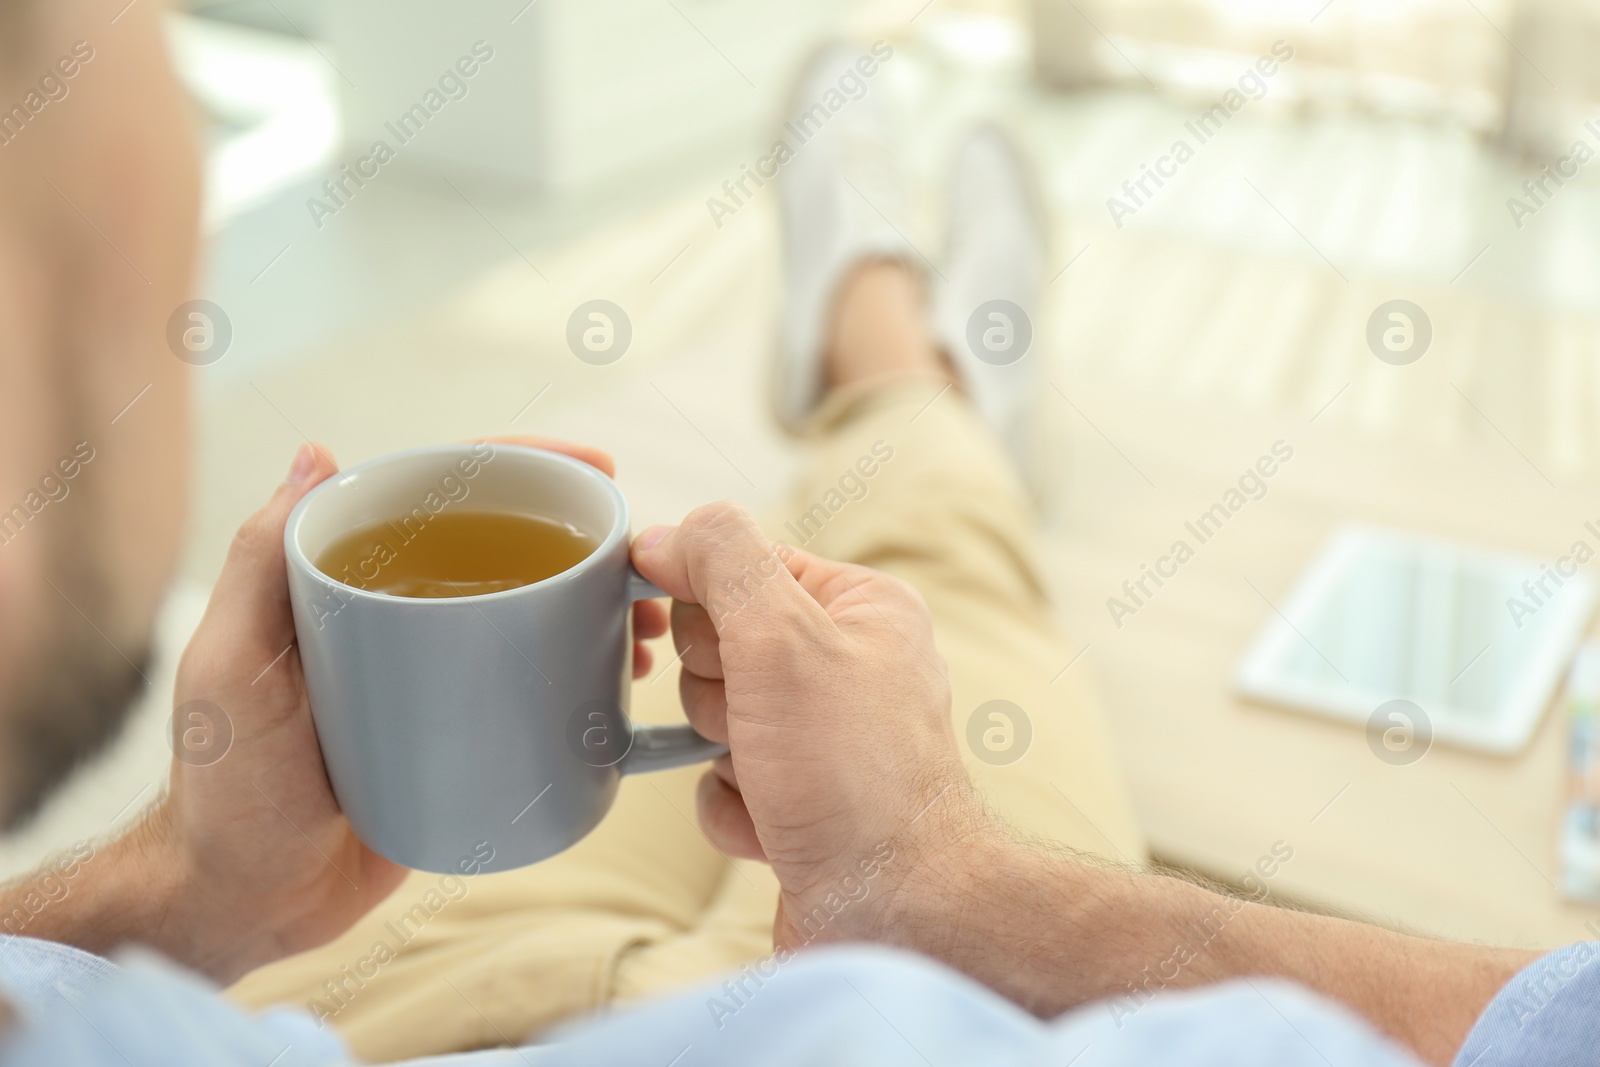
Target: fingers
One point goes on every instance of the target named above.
(643, 658)
(705, 705)
(650, 619)
(594, 457)
(700, 688)
(251, 598)
(719, 558)
(695, 639)
(725, 819)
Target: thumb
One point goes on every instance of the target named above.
(250, 602)
(719, 558)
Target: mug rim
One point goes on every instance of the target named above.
(296, 557)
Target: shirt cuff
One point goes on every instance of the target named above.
(1548, 1014)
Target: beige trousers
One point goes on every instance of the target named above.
(645, 904)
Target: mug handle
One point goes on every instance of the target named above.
(661, 748)
(639, 588)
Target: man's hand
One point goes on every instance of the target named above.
(248, 858)
(823, 679)
(259, 819)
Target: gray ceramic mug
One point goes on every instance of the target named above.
(491, 725)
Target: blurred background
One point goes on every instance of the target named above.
(1405, 151)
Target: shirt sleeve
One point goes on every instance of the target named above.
(874, 1007)
(79, 1009)
(1548, 1014)
(846, 1007)
(38, 976)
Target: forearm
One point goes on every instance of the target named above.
(1054, 933)
(98, 896)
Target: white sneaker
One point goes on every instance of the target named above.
(843, 201)
(985, 311)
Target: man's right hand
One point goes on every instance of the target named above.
(823, 679)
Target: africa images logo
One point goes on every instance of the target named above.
(1252, 85)
(452, 85)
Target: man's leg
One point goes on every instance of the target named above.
(948, 514)
(906, 479)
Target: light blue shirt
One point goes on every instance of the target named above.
(840, 1007)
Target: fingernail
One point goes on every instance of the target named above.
(651, 537)
(304, 460)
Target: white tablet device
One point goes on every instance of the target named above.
(1477, 639)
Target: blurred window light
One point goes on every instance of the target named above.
(1410, 58)
(977, 41)
(271, 105)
